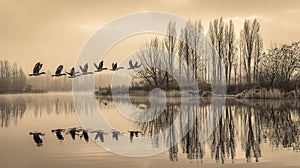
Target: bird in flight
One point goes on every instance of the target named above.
(133, 66)
(58, 71)
(99, 67)
(115, 67)
(72, 73)
(84, 69)
(36, 70)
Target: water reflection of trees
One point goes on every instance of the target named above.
(242, 124)
(250, 134)
(49, 104)
(281, 128)
(222, 141)
(192, 144)
(13, 108)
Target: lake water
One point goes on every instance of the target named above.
(247, 133)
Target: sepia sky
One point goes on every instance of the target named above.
(54, 31)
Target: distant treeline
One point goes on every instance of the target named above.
(12, 78)
(48, 83)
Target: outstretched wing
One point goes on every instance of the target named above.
(112, 65)
(72, 71)
(59, 69)
(82, 70)
(136, 65)
(96, 66)
(130, 64)
(36, 67)
(101, 65)
(86, 66)
(40, 67)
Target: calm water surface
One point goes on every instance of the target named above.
(249, 133)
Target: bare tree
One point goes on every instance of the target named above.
(230, 52)
(258, 48)
(197, 40)
(279, 64)
(170, 45)
(151, 56)
(21, 79)
(217, 35)
(185, 51)
(240, 61)
(249, 36)
(12, 78)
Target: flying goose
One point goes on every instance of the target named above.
(84, 70)
(72, 73)
(133, 66)
(36, 70)
(99, 67)
(115, 67)
(58, 71)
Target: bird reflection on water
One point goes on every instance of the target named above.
(58, 133)
(36, 137)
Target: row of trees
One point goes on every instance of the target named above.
(12, 78)
(209, 60)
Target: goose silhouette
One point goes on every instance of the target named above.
(36, 70)
(133, 66)
(72, 73)
(84, 69)
(115, 67)
(99, 67)
(58, 71)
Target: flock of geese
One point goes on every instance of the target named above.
(84, 70)
(82, 133)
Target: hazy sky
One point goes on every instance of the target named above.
(54, 31)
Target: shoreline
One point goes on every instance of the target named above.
(255, 94)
